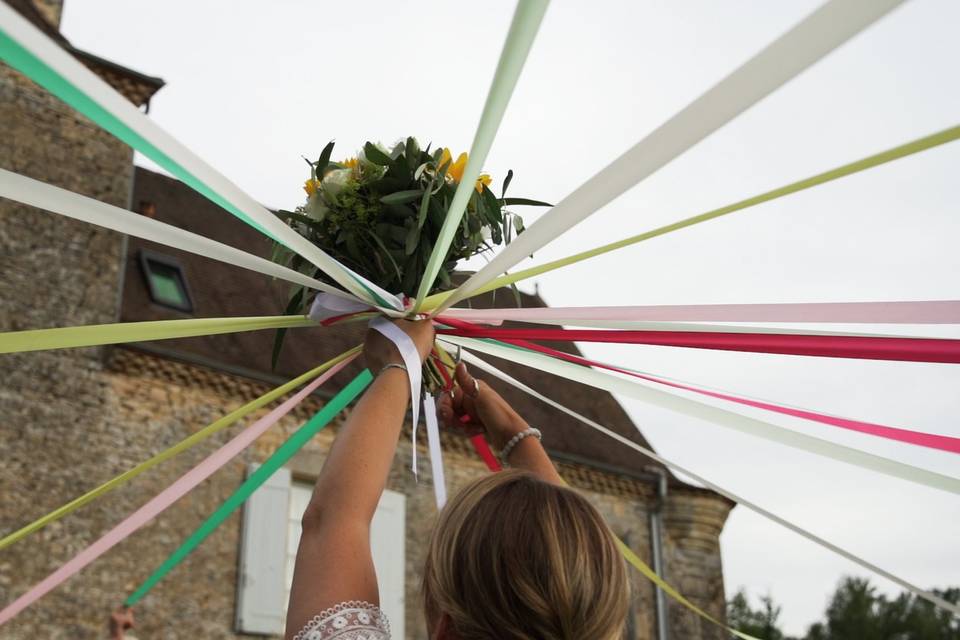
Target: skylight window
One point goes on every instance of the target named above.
(166, 281)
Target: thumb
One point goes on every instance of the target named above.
(466, 381)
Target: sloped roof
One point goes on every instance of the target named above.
(136, 87)
(221, 290)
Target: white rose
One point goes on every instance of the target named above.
(334, 182)
(315, 209)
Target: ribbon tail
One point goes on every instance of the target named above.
(436, 452)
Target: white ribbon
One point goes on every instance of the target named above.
(702, 411)
(817, 35)
(327, 306)
(436, 453)
(73, 205)
(411, 360)
(940, 602)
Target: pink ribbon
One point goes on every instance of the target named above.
(164, 499)
(918, 438)
(920, 312)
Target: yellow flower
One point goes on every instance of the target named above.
(350, 163)
(456, 169)
(444, 157)
(483, 181)
(311, 186)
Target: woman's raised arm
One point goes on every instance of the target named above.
(333, 562)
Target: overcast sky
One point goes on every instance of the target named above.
(253, 86)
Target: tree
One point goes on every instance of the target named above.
(857, 612)
(759, 623)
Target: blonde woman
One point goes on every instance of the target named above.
(514, 556)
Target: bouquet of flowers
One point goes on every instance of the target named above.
(380, 213)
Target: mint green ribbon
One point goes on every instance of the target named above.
(523, 30)
(279, 458)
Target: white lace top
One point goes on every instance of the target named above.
(353, 620)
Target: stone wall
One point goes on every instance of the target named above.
(55, 272)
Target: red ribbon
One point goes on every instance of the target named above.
(862, 347)
(918, 438)
(478, 441)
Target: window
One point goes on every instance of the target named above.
(165, 281)
(271, 534)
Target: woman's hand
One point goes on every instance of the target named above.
(120, 621)
(473, 407)
(379, 351)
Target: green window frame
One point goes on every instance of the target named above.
(166, 281)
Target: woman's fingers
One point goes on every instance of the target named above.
(466, 381)
(446, 411)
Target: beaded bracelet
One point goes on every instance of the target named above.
(515, 440)
(393, 365)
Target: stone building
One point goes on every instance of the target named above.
(72, 418)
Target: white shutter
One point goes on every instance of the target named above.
(388, 544)
(261, 590)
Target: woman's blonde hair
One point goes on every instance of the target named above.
(515, 557)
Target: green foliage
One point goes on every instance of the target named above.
(382, 214)
(759, 623)
(855, 612)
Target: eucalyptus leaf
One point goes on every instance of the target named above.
(293, 308)
(386, 252)
(412, 240)
(313, 168)
(524, 201)
(402, 197)
(412, 152)
(298, 217)
(493, 205)
(374, 155)
(324, 159)
(424, 206)
(506, 183)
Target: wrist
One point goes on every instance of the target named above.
(522, 440)
(502, 434)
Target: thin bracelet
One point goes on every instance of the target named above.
(515, 440)
(393, 365)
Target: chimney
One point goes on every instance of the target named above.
(51, 10)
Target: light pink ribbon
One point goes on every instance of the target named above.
(167, 497)
(920, 312)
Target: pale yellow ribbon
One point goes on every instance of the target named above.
(183, 445)
(910, 148)
(119, 332)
